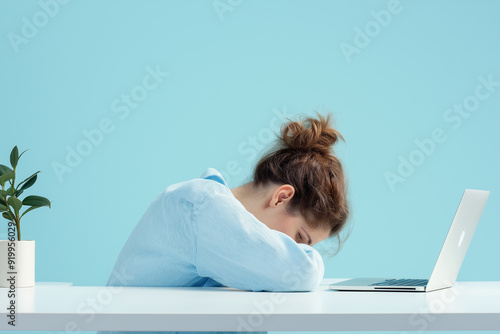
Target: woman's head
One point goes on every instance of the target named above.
(300, 184)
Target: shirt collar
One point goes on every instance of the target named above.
(213, 174)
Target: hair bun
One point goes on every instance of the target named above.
(310, 134)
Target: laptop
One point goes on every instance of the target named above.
(450, 258)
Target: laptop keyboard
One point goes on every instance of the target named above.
(403, 282)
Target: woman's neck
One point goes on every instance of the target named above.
(246, 195)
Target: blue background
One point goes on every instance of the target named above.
(233, 78)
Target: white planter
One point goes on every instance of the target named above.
(22, 254)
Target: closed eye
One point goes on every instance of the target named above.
(301, 238)
(308, 242)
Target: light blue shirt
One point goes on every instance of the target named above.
(196, 233)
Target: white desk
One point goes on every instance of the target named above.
(468, 306)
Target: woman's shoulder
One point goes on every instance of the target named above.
(210, 183)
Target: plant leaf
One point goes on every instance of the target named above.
(4, 169)
(20, 155)
(29, 182)
(29, 209)
(3, 208)
(18, 193)
(14, 157)
(36, 201)
(15, 203)
(10, 191)
(7, 215)
(6, 177)
(3, 193)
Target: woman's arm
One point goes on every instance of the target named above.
(239, 251)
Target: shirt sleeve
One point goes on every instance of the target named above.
(234, 248)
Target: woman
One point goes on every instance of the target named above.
(257, 236)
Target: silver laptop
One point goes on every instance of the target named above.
(450, 258)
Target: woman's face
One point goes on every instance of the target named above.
(272, 212)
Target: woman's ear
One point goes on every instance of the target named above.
(282, 195)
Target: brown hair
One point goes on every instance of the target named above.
(302, 157)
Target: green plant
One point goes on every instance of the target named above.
(10, 203)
